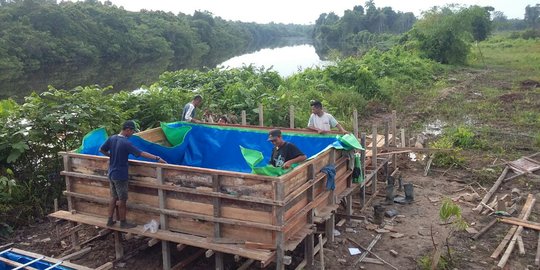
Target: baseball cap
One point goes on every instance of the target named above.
(273, 134)
(131, 125)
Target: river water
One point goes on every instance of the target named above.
(129, 76)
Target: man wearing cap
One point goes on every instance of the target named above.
(321, 121)
(188, 114)
(284, 154)
(117, 148)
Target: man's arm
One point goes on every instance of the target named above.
(153, 157)
(105, 153)
(297, 159)
(341, 129)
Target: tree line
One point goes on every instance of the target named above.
(35, 33)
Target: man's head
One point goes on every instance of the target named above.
(129, 128)
(274, 136)
(223, 120)
(197, 100)
(316, 107)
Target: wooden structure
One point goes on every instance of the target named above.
(252, 216)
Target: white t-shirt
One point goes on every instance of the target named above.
(324, 122)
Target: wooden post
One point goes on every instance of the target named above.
(329, 228)
(291, 116)
(355, 123)
(403, 143)
(394, 139)
(386, 144)
(374, 159)
(280, 220)
(244, 118)
(217, 226)
(310, 239)
(261, 115)
(363, 160)
(537, 258)
(75, 234)
(394, 127)
(118, 248)
(162, 200)
(321, 251)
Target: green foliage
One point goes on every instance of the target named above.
(450, 210)
(358, 31)
(425, 263)
(447, 158)
(36, 33)
(444, 34)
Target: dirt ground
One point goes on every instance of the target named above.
(417, 227)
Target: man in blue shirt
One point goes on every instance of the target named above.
(117, 148)
(188, 114)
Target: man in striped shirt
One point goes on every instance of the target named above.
(189, 112)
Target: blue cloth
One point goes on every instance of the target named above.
(119, 149)
(330, 171)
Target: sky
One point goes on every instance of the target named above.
(305, 11)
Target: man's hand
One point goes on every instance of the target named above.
(320, 131)
(162, 161)
(286, 165)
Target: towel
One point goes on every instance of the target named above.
(330, 171)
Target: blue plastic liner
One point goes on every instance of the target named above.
(217, 147)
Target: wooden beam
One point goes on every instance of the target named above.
(76, 255)
(246, 264)
(181, 238)
(512, 244)
(187, 261)
(244, 118)
(521, 222)
(261, 115)
(492, 190)
(291, 116)
(321, 252)
(537, 258)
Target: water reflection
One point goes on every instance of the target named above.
(285, 57)
(286, 60)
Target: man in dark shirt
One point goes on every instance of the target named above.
(117, 148)
(284, 154)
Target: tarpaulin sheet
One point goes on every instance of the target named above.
(218, 147)
(23, 259)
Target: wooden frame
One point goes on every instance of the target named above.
(207, 204)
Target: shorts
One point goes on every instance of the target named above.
(119, 189)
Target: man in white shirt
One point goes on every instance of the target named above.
(321, 121)
(188, 114)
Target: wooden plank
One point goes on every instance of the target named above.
(520, 245)
(529, 204)
(171, 187)
(191, 240)
(175, 213)
(49, 259)
(521, 222)
(537, 257)
(492, 190)
(187, 261)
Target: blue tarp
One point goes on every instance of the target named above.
(218, 147)
(22, 259)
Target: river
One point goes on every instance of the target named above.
(129, 76)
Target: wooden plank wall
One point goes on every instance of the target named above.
(251, 207)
